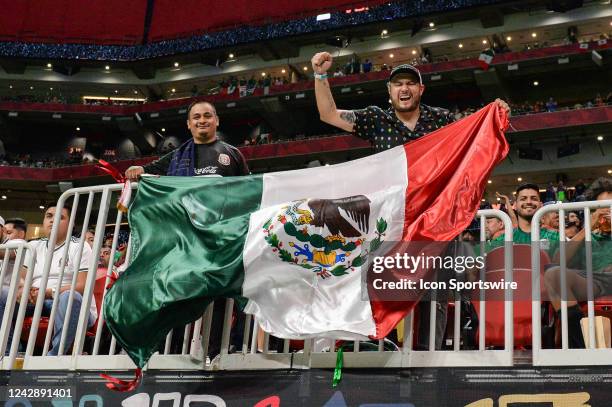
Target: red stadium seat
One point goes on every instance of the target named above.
(99, 288)
(494, 322)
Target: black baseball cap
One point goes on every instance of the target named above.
(406, 68)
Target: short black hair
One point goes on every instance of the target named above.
(18, 224)
(197, 102)
(67, 207)
(528, 185)
(598, 187)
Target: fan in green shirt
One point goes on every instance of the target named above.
(601, 253)
(576, 279)
(549, 240)
(527, 203)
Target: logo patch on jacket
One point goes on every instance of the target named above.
(224, 159)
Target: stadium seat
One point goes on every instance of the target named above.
(99, 288)
(494, 323)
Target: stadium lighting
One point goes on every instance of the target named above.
(176, 64)
(432, 24)
(508, 38)
(484, 41)
(263, 74)
(384, 32)
(107, 67)
(50, 88)
(414, 52)
(536, 83)
(305, 68)
(483, 200)
(135, 92)
(91, 97)
(283, 70)
(519, 179)
(116, 91)
(78, 129)
(4, 196)
(391, 55)
(49, 65)
(231, 56)
(323, 17)
(41, 207)
(460, 45)
(10, 86)
(173, 90)
(599, 138)
(489, 181)
(533, 35)
(609, 172)
(163, 129)
(31, 87)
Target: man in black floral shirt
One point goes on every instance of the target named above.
(407, 118)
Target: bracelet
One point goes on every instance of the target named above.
(320, 76)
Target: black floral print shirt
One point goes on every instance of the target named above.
(385, 130)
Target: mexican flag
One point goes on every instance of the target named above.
(485, 58)
(291, 246)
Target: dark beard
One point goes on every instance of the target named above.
(401, 109)
(528, 218)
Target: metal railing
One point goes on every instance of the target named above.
(195, 346)
(565, 356)
(19, 254)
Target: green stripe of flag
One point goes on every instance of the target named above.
(201, 223)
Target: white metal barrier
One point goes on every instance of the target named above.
(15, 255)
(187, 348)
(565, 356)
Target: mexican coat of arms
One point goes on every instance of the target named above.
(326, 236)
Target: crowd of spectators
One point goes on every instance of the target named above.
(59, 98)
(48, 160)
(56, 160)
(50, 97)
(555, 192)
(238, 35)
(558, 192)
(112, 102)
(551, 105)
(520, 109)
(245, 87)
(241, 86)
(43, 161)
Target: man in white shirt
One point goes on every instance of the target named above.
(15, 232)
(56, 287)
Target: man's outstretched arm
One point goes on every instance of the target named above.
(343, 119)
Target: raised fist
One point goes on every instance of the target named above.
(321, 62)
